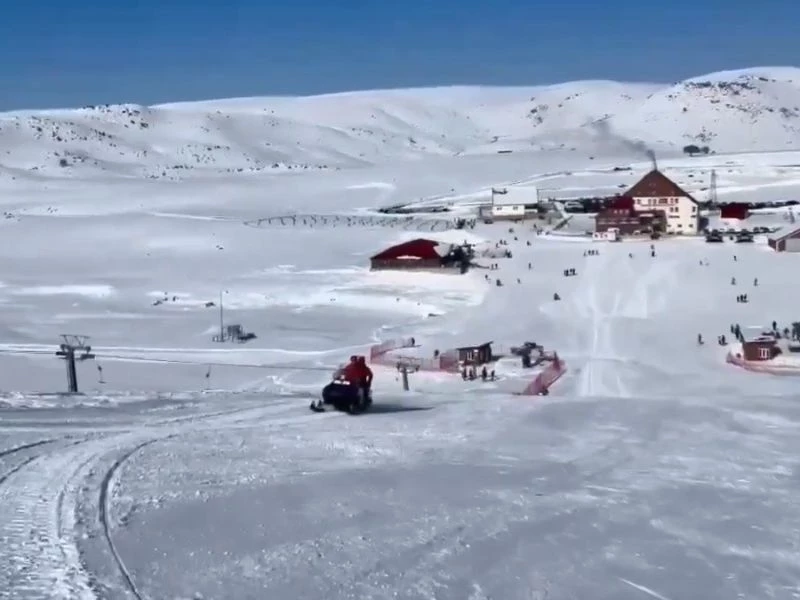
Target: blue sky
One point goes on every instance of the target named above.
(57, 53)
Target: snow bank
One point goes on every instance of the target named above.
(773, 367)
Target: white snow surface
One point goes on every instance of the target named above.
(193, 469)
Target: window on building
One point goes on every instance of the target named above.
(763, 353)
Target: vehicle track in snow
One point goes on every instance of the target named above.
(40, 500)
(38, 557)
(105, 508)
(20, 450)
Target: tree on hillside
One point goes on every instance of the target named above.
(691, 150)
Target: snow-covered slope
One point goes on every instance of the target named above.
(194, 469)
(755, 109)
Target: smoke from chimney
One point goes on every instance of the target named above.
(652, 156)
(603, 130)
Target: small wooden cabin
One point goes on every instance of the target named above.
(763, 348)
(476, 355)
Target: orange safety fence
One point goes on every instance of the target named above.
(546, 378)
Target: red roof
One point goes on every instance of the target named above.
(734, 210)
(421, 249)
(657, 185)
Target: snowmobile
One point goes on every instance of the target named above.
(343, 395)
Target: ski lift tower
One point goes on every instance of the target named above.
(74, 347)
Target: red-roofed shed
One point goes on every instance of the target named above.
(414, 254)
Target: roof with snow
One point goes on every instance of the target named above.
(784, 233)
(657, 185)
(418, 249)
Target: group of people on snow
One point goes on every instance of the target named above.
(469, 373)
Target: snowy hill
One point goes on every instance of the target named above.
(755, 109)
(191, 467)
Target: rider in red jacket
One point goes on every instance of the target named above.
(364, 372)
(358, 372)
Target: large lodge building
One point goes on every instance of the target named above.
(655, 203)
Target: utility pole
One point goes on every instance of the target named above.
(74, 343)
(221, 337)
(712, 190)
(221, 326)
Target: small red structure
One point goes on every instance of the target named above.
(734, 211)
(620, 213)
(760, 349)
(414, 254)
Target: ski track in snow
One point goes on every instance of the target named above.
(605, 311)
(39, 557)
(601, 374)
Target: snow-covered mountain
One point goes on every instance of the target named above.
(753, 109)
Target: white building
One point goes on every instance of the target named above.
(511, 204)
(655, 191)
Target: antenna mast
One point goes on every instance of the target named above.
(712, 189)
